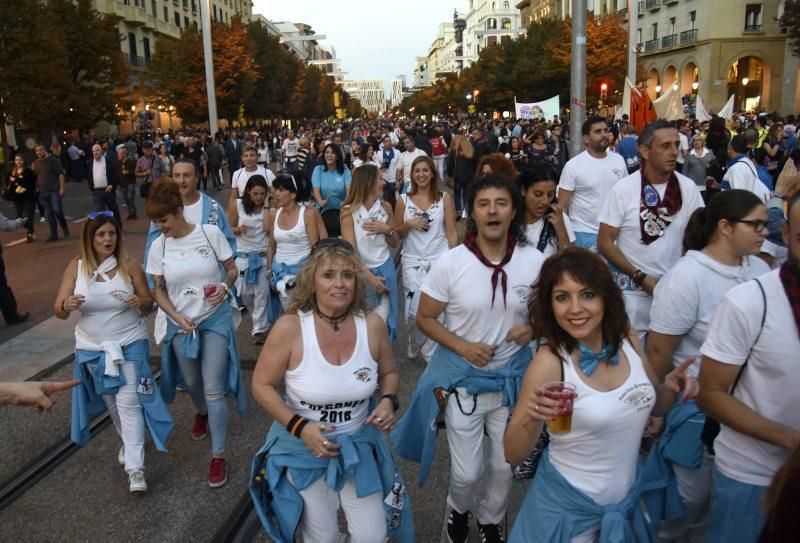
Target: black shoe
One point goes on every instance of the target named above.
(131, 218)
(458, 526)
(66, 234)
(22, 317)
(29, 238)
(51, 239)
(491, 533)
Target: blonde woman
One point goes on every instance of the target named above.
(367, 224)
(112, 350)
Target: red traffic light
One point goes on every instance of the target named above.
(603, 87)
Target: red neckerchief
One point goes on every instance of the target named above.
(498, 270)
(791, 284)
(655, 213)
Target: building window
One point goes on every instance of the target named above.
(654, 28)
(672, 25)
(185, 21)
(491, 24)
(177, 19)
(505, 5)
(166, 14)
(505, 24)
(154, 7)
(146, 48)
(185, 4)
(753, 18)
(638, 35)
(132, 48)
(194, 6)
(692, 18)
(215, 12)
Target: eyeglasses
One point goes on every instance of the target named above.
(332, 242)
(757, 224)
(94, 214)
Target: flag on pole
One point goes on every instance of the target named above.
(727, 110)
(700, 111)
(546, 109)
(669, 106)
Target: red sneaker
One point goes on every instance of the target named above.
(200, 427)
(217, 473)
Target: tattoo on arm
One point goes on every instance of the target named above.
(162, 285)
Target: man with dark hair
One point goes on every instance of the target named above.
(233, 151)
(51, 184)
(127, 181)
(587, 179)
(741, 172)
(752, 345)
(643, 219)
(480, 143)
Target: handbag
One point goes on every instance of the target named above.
(13, 191)
(144, 189)
(450, 181)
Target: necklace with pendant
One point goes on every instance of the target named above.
(333, 321)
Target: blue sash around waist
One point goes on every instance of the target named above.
(388, 272)
(254, 263)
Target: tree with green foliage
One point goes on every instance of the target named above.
(791, 21)
(277, 75)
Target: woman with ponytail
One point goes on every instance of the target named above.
(722, 242)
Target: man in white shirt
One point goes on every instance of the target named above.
(587, 179)
(643, 219)
(404, 164)
(103, 179)
(388, 157)
(683, 131)
(741, 172)
(753, 347)
(242, 175)
(289, 150)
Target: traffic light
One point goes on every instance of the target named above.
(603, 90)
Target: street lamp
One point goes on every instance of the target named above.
(658, 89)
(745, 81)
(695, 85)
(469, 96)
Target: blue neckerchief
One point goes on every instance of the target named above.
(254, 263)
(388, 157)
(589, 360)
(414, 437)
(190, 345)
(554, 510)
(87, 399)
(365, 456)
(734, 160)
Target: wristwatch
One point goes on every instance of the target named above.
(638, 277)
(394, 399)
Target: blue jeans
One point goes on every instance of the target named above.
(106, 200)
(54, 211)
(129, 193)
(205, 380)
(736, 510)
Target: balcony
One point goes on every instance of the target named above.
(652, 5)
(688, 36)
(753, 28)
(136, 62)
(650, 45)
(669, 41)
(670, 2)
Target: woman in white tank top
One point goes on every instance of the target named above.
(367, 224)
(294, 232)
(588, 477)
(112, 349)
(331, 357)
(252, 253)
(426, 222)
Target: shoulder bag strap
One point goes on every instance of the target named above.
(763, 320)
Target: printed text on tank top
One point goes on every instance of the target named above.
(289, 216)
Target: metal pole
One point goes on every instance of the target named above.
(205, 25)
(633, 19)
(577, 86)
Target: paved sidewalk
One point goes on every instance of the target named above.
(38, 349)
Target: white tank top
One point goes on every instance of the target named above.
(322, 392)
(599, 455)
(419, 245)
(254, 237)
(291, 245)
(372, 247)
(104, 314)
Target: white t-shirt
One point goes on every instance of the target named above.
(406, 159)
(742, 175)
(684, 150)
(590, 180)
(242, 176)
(621, 210)
(685, 299)
(290, 147)
(534, 230)
(768, 384)
(193, 213)
(187, 264)
(458, 279)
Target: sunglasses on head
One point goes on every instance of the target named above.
(332, 242)
(94, 214)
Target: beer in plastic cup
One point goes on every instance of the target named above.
(209, 290)
(565, 393)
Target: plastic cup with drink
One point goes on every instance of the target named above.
(564, 393)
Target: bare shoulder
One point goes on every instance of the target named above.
(287, 324)
(374, 322)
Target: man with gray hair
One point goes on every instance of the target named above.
(643, 219)
(103, 178)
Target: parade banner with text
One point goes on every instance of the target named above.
(546, 109)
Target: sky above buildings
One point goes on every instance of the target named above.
(373, 39)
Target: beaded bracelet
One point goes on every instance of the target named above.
(296, 425)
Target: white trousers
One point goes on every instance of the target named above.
(126, 413)
(465, 435)
(255, 297)
(439, 161)
(637, 305)
(366, 522)
(694, 487)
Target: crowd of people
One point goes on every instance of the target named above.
(619, 326)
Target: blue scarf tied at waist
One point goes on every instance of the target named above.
(87, 399)
(389, 274)
(254, 263)
(281, 270)
(555, 511)
(220, 322)
(364, 455)
(680, 443)
(414, 437)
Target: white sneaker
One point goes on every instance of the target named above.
(42, 219)
(121, 456)
(137, 482)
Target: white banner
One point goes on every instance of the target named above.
(700, 111)
(546, 109)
